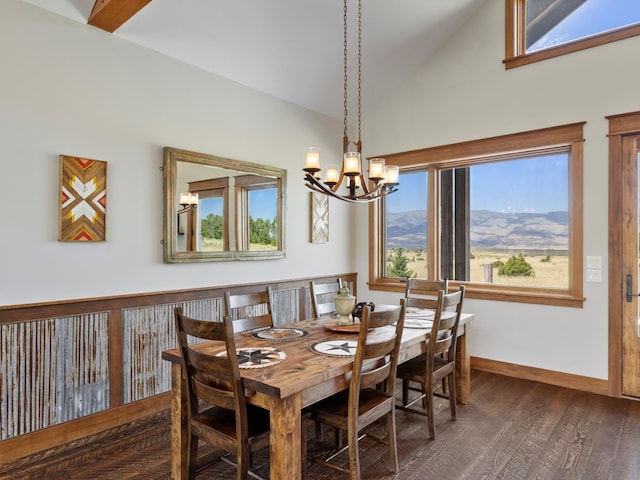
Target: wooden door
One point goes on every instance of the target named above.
(630, 266)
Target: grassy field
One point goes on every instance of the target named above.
(553, 274)
(213, 245)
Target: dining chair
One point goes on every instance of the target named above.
(249, 311)
(437, 364)
(370, 395)
(421, 293)
(322, 297)
(217, 409)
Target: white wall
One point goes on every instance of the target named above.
(68, 88)
(465, 93)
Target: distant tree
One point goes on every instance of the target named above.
(262, 231)
(211, 226)
(516, 266)
(397, 265)
(546, 259)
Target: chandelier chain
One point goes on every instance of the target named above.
(345, 69)
(359, 68)
(381, 179)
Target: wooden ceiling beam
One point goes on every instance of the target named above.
(109, 15)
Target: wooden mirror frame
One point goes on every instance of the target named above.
(170, 174)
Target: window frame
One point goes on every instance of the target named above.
(565, 137)
(515, 27)
(213, 188)
(245, 184)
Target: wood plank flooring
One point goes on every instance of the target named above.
(512, 429)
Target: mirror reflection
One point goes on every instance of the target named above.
(219, 209)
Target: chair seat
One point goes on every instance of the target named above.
(415, 369)
(333, 410)
(224, 421)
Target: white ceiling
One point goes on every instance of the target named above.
(292, 49)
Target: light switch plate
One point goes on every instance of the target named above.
(594, 261)
(594, 275)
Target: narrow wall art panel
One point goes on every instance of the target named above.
(319, 218)
(83, 200)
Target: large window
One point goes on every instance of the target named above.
(541, 29)
(501, 215)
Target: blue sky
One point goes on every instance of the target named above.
(262, 204)
(508, 186)
(591, 17)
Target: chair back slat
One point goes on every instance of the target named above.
(249, 311)
(322, 297)
(421, 293)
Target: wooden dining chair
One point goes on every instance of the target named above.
(437, 364)
(249, 311)
(370, 395)
(217, 409)
(322, 297)
(421, 293)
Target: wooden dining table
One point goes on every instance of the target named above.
(302, 378)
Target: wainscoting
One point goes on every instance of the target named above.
(74, 368)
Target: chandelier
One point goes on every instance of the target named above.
(382, 179)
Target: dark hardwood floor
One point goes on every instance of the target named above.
(511, 429)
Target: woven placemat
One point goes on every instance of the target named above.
(335, 348)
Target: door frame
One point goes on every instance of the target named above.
(619, 126)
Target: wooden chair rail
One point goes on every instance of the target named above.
(102, 357)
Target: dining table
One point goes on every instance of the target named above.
(297, 365)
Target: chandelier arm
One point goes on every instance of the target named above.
(315, 185)
(363, 184)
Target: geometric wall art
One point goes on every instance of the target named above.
(319, 230)
(83, 200)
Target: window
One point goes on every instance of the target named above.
(541, 29)
(256, 216)
(213, 210)
(254, 211)
(501, 215)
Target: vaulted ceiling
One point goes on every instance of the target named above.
(291, 49)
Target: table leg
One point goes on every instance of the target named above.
(463, 368)
(179, 436)
(286, 447)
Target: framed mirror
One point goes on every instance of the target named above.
(219, 209)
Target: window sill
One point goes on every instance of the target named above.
(559, 298)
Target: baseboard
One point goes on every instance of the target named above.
(81, 429)
(568, 380)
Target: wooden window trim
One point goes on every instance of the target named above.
(515, 55)
(216, 188)
(472, 152)
(243, 185)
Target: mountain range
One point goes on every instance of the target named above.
(490, 230)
